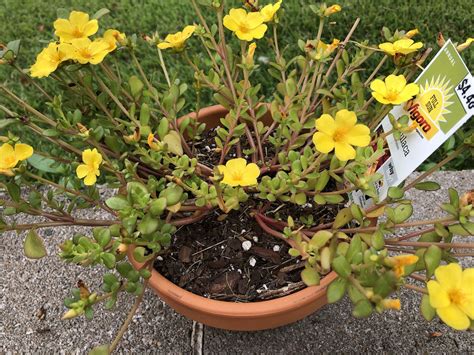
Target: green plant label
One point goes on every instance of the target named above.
(444, 104)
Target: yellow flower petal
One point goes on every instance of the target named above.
(380, 98)
(359, 135)
(237, 164)
(6, 149)
(454, 317)
(449, 276)
(378, 86)
(252, 172)
(82, 171)
(90, 179)
(91, 28)
(438, 295)
(188, 31)
(78, 18)
(411, 90)
(164, 45)
(344, 151)
(467, 288)
(345, 118)
(230, 24)
(326, 124)
(387, 48)
(23, 151)
(395, 83)
(324, 143)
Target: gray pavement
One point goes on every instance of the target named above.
(27, 286)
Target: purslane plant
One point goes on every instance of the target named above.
(132, 134)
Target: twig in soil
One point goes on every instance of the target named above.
(288, 289)
(292, 267)
(212, 246)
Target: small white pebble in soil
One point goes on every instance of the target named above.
(207, 148)
(160, 258)
(239, 271)
(307, 205)
(255, 239)
(231, 267)
(243, 231)
(222, 247)
(246, 245)
(276, 248)
(252, 261)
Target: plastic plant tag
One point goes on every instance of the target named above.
(444, 104)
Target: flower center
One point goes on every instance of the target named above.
(237, 176)
(456, 296)
(10, 161)
(392, 95)
(243, 28)
(339, 135)
(77, 33)
(85, 53)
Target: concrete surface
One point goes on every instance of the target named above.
(27, 286)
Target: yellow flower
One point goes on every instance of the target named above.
(332, 10)
(90, 169)
(400, 261)
(10, 157)
(151, 142)
(268, 12)
(391, 304)
(246, 26)
(178, 39)
(465, 45)
(78, 26)
(237, 173)
(340, 134)
(412, 33)
(320, 50)
(112, 37)
(49, 59)
(452, 295)
(402, 46)
(86, 51)
(394, 90)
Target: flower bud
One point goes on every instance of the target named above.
(332, 10)
(122, 248)
(464, 45)
(248, 59)
(412, 33)
(391, 304)
(72, 313)
(440, 39)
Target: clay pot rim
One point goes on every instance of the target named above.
(234, 309)
(229, 309)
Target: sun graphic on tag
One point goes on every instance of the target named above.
(434, 98)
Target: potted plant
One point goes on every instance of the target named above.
(237, 214)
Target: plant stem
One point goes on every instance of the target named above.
(76, 222)
(416, 288)
(32, 81)
(129, 318)
(163, 66)
(428, 244)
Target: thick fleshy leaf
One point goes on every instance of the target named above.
(33, 246)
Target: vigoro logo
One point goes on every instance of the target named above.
(429, 108)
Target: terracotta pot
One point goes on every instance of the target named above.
(232, 315)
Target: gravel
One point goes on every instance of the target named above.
(29, 286)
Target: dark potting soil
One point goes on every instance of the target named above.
(232, 258)
(229, 257)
